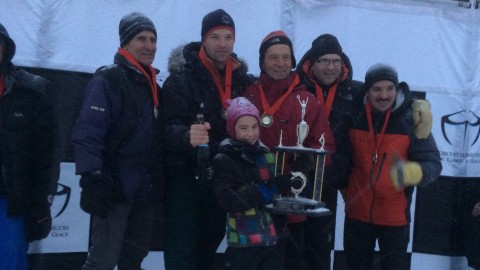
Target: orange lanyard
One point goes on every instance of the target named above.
(151, 79)
(331, 95)
(375, 143)
(225, 93)
(270, 110)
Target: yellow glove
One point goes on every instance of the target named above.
(405, 173)
(422, 118)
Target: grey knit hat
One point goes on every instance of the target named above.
(132, 24)
(380, 72)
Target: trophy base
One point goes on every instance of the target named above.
(299, 206)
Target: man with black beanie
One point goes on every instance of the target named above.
(327, 73)
(28, 136)
(118, 150)
(202, 76)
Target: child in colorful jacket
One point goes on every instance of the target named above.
(244, 182)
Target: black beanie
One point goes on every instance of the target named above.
(132, 24)
(325, 44)
(217, 19)
(380, 72)
(274, 38)
(8, 50)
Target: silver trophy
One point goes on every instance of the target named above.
(297, 204)
(302, 127)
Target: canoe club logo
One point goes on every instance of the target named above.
(62, 198)
(461, 128)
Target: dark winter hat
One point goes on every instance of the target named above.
(325, 44)
(380, 72)
(237, 108)
(274, 38)
(132, 24)
(217, 19)
(9, 45)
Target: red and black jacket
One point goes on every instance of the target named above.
(370, 195)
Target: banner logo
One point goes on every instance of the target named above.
(463, 125)
(62, 198)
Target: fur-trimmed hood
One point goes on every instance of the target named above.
(187, 54)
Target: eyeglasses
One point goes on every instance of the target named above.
(326, 62)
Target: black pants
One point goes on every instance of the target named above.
(194, 224)
(359, 243)
(255, 258)
(320, 234)
(123, 237)
(295, 247)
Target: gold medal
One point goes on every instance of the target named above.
(266, 120)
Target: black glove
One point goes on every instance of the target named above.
(38, 222)
(96, 197)
(304, 163)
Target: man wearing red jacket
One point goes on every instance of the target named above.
(278, 95)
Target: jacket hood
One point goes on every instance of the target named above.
(187, 54)
(404, 98)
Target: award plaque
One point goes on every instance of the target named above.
(297, 204)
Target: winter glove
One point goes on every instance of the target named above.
(274, 186)
(38, 228)
(96, 197)
(38, 221)
(422, 118)
(405, 173)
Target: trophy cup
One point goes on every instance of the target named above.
(297, 204)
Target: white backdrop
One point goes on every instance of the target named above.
(435, 46)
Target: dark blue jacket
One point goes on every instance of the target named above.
(117, 131)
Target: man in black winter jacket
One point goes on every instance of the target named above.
(327, 73)
(28, 133)
(202, 75)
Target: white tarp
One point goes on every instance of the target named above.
(435, 46)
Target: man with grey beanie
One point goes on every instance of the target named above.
(118, 150)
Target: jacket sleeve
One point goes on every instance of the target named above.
(90, 130)
(231, 196)
(45, 165)
(425, 152)
(177, 113)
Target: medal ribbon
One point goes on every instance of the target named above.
(331, 95)
(225, 93)
(375, 143)
(270, 110)
(151, 79)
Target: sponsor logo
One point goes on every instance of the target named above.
(461, 128)
(62, 198)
